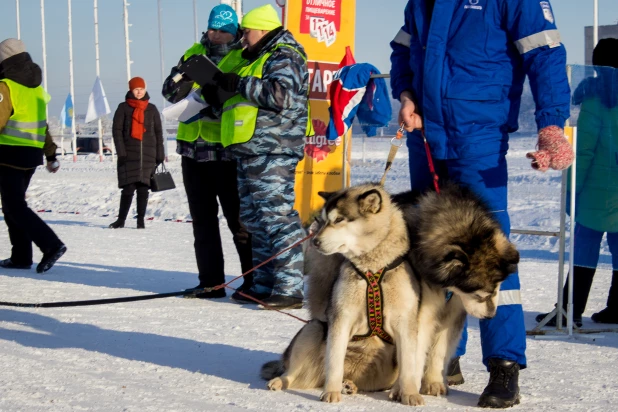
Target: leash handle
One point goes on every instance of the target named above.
(396, 143)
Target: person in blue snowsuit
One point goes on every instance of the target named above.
(458, 69)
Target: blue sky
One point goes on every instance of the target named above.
(377, 23)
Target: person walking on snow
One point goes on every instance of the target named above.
(138, 137)
(458, 69)
(24, 138)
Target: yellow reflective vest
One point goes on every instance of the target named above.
(239, 116)
(207, 129)
(27, 124)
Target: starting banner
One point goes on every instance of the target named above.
(324, 28)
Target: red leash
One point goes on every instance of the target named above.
(265, 305)
(432, 169)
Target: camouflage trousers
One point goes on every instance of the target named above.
(266, 189)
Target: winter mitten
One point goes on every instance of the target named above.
(227, 81)
(554, 150)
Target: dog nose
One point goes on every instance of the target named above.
(316, 242)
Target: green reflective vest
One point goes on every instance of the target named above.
(27, 124)
(207, 129)
(240, 115)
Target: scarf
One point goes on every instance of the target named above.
(21, 69)
(216, 52)
(139, 106)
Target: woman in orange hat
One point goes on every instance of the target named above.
(138, 137)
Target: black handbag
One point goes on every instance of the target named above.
(161, 180)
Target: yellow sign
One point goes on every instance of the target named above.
(324, 28)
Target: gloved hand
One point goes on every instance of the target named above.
(227, 81)
(159, 162)
(52, 166)
(210, 95)
(554, 150)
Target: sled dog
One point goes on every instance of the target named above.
(462, 256)
(459, 255)
(363, 299)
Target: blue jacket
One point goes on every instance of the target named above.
(467, 71)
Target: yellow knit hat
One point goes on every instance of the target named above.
(262, 18)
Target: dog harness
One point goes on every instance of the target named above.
(375, 306)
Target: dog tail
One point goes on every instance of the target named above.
(272, 369)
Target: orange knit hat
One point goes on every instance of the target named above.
(137, 82)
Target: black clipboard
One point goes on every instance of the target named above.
(202, 71)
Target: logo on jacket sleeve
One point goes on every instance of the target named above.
(474, 5)
(547, 11)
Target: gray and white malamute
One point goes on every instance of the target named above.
(450, 243)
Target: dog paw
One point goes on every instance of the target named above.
(331, 397)
(349, 388)
(412, 399)
(275, 384)
(434, 388)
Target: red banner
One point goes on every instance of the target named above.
(320, 77)
(318, 17)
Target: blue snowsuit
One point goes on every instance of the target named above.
(466, 73)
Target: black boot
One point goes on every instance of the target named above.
(242, 240)
(502, 391)
(125, 205)
(453, 373)
(142, 204)
(582, 281)
(610, 313)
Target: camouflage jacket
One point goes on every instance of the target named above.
(281, 95)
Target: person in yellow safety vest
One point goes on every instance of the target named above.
(265, 126)
(208, 172)
(24, 138)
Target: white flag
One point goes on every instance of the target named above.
(97, 102)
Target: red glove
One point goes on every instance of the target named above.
(554, 150)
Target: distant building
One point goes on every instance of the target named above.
(604, 32)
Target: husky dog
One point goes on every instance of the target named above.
(364, 237)
(462, 256)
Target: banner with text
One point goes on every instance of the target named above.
(324, 28)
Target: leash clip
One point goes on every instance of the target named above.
(398, 136)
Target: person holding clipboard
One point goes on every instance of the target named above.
(208, 173)
(264, 126)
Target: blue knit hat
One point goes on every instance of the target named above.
(223, 18)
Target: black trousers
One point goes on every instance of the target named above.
(25, 226)
(204, 183)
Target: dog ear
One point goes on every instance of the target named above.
(326, 195)
(455, 260)
(370, 201)
(509, 259)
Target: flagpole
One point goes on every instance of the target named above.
(44, 51)
(71, 82)
(17, 17)
(164, 134)
(96, 53)
(197, 39)
(126, 38)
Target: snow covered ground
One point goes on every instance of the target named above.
(180, 354)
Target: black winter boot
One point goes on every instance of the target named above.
(142, 204)
(610, 313)
(453, 373)
(502, 391)
(582, 281)
(125, 205)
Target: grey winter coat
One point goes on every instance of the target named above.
(137, 159)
